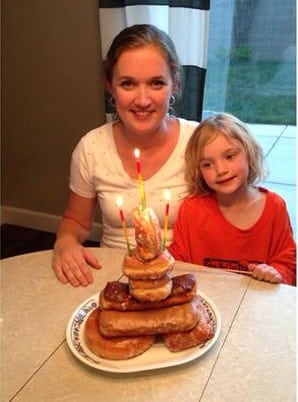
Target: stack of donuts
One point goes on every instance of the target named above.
(150, 305)
(148, 268)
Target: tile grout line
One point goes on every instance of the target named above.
(273, 145)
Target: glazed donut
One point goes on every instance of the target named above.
(201, 333)
(156, 268)
(149, 283)
(117, 348)
(151, 290)
(182, 317)
(116, 295)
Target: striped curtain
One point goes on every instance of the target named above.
(185, 21)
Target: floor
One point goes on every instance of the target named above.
(279, 146)
(16, 240)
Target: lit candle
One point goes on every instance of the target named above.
(119, 202)
(140, 179)
(167, 195)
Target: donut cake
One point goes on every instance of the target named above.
(150, 304)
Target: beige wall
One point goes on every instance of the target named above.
(51, 96)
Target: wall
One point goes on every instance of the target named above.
(51, 96)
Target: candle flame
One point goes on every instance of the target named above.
(167, 194)
(119, 201)
(137, 153)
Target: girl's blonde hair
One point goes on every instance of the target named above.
(232, 128)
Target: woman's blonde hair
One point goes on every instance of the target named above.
(140, 35)
(232, 128)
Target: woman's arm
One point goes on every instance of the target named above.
(71, 261)
(77, 218)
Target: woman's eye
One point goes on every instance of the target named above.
(127, 84)
(157, 84)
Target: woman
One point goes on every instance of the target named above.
(142, 75)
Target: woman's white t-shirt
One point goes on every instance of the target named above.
(97, 171)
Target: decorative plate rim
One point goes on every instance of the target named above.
(164, 358)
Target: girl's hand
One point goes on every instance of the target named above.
(264, 272)
(72, 261)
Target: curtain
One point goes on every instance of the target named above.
(185, 21)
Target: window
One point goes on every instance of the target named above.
(251, 69)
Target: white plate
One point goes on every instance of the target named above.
(158, 356)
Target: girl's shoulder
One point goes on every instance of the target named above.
(197, 206)
(196, 201)
(274, 201)
(272, 196)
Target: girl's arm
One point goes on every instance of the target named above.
(264, 272)
(281, 265)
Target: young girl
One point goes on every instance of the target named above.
(227, 221)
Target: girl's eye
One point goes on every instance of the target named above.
(231, 156)
(205, 165)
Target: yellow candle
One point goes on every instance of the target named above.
(140, 179)
(167, 195)
(119, 202)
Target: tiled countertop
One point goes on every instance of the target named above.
(252, 360)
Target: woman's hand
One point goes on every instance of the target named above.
(264, 272)
(72, 262)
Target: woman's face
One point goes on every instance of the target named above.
(142, 86)
(224, 165)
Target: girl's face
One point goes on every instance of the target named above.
(142, 86)
(224, 165)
